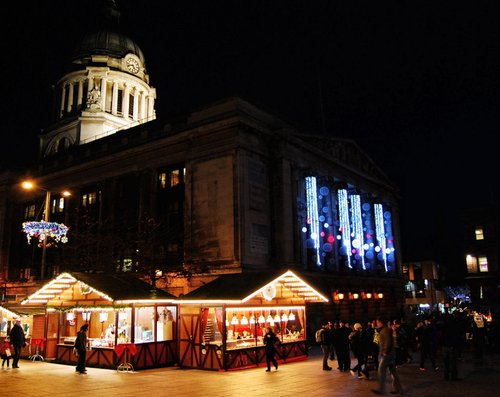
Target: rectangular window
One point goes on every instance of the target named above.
(471, 264)
(165, 323)
(479, 233)
(483, 264)
(29, 211)
(57, 205)
(162, 180)
(130, 105)
(174, 178)
(89, 199)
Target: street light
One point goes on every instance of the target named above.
(29, 185)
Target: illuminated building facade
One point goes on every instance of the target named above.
(228, 189)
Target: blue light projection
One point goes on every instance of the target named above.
(357, 231)
(369, 246)
(312, 216)
(381, 248)
(345, 228)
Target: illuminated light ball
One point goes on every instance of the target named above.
(322, 234)
(326, 209)
(369, 255)
(308, 221)
(352, 234)
(368, 235)
(320, 196)
(343, 250)
(327, 247)
(390, 241)
(366, 207)
(390, 258)
(366, 247)
(310, 243)
(304, 229)
(323, 190)
(387, 215)
(323, 254)
(355, 243)
(331, 239)
(371, 245)
(321, 218)
(393, 249)
(314, 236)
(326, 225)
(387, 251)
(377, 249)
(339, 237)
(354, 251)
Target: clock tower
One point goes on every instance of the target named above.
(106, 89)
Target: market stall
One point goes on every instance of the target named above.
(119, 308)
(32, 322)
(221, 324)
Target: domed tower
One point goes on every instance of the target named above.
(107, 89)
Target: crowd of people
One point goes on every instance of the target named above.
(380, 346)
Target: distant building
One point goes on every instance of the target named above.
(423, 291)
(481, 252)
(228, 189)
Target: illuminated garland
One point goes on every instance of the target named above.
(43, 230)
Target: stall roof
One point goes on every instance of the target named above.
(16, 311)
(240, 288)
(116, 287)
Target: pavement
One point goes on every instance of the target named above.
(303, 378)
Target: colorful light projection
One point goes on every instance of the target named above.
(358, 245)
(383, 230)
(345, 228)
(312, 216)
(368, 246)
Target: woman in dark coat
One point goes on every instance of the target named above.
(81, 348)
(270, 340)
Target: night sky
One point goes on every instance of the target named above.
(415, 83)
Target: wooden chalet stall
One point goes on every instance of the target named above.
(221, 324)
(32, 322)
(128, 319)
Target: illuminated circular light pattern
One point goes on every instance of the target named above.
(43, 230)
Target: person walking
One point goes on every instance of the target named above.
(270, 340)
(387, 359)
(450, 343)
(342, 347)
(17, 341)
(356, 338)
(81, 349)
(426, 343)
(326, 341)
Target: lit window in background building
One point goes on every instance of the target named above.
(29, 211)
(479, 233)
(174, 178)
(471, 264)
(483, 264)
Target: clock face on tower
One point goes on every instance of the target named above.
(132, 65)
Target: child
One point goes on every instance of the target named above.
(5, 352)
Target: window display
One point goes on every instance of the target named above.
(245, 326)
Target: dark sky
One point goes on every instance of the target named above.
(415, 83)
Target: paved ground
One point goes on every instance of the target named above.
(295, 379)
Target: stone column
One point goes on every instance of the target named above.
(104, 85)
(136, 104)
(143, 107)
(69, 105)
(125, 103)
(151, 106)
(63, 96)
(114, 99)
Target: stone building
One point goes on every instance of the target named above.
(228, 189)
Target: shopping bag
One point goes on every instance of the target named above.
(7, 352)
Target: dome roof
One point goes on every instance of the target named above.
(108, 43)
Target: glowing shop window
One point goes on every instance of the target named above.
(174, 178)
(471, 264)
(479, 233)
(165, 322)
(162, 179)
(483, 264)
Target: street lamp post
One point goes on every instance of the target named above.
(28, 185)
